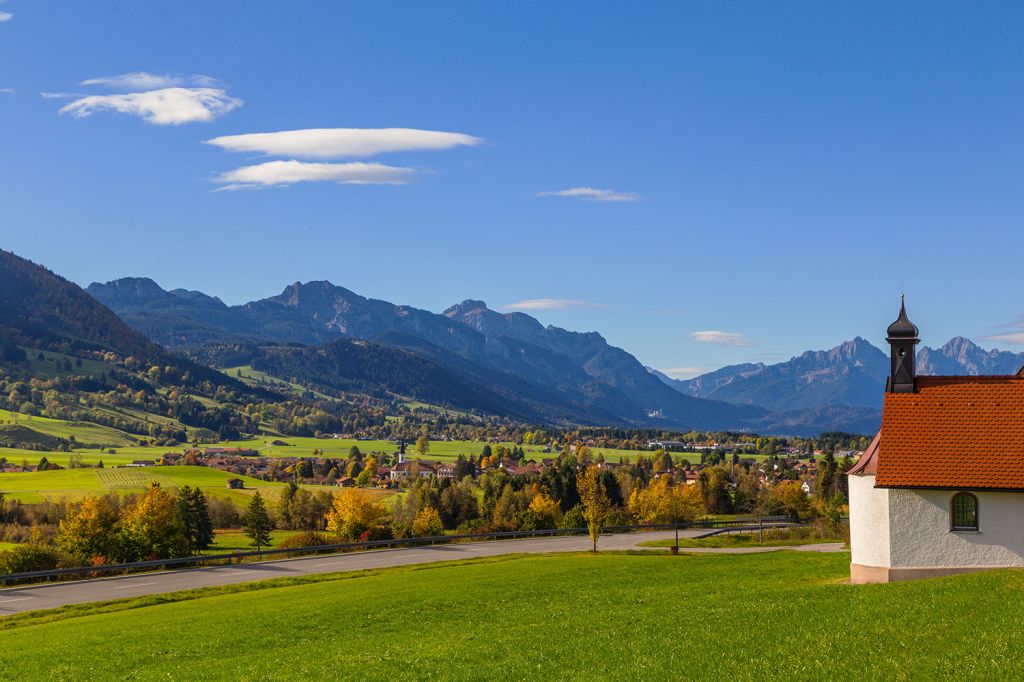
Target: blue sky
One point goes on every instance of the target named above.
(771, 172)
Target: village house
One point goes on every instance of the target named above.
(235, 484)
(940, 490)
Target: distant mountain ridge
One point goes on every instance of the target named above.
(590, 378)
(851, 374)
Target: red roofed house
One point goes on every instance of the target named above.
(940, 490)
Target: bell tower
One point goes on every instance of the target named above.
(902, 336)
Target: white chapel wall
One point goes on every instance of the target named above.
(869, 522)
(920, 530)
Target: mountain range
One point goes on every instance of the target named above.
(470, 356)
(851, 374)
(529, 370)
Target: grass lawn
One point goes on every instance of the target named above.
(736, 540)
(75, 484)
(613, 616)
(236, 541)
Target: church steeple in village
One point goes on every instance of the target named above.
(902, 336)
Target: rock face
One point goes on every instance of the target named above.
(963, 356)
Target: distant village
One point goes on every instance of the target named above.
(398, 468)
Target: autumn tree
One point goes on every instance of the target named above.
(258, 524)
(792, 499)
(89, 533)
(151, 528)
(353, 512)
(423, 444)
(546, 510)
(427, 523)
(594, 498)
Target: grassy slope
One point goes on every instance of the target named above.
(84, 432)
(780, 616)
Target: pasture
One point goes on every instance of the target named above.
(780, 616)
(75, 484)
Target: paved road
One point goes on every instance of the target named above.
(30, 598)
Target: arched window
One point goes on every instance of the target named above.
(964, 512)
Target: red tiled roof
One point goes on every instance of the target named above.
(868, 462)
(954, 432)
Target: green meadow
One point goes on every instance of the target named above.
(641, 616)
(74, 484)
(237, 541)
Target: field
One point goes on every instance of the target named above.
(615, 616)
(236, 541)
(73, 484)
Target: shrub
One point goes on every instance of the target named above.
(309, 538)
(32, 557)
(574, 518)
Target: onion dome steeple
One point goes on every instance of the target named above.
(902, 336)
(902, 328)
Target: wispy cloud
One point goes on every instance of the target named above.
(549, 304)
(168, 106)
(592, 194)
(58, 95)
(1012, 338)
(5, 16)
(719, 338)
(683, 372)
(336, 143)
(138, 81)
(7, 91)
(281, 173)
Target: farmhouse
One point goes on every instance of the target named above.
(235, 483)
(940, 490)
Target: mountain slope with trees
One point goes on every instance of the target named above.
(565, 375)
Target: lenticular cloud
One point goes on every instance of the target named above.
(278, 173)
(337, 143)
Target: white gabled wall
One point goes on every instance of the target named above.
(869, 522)
(919, 530)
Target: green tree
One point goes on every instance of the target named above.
(258, 524)
(194, 514)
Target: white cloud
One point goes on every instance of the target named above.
(58, 95)
(718, 338)
(683, 372)
(137, 81)
(168, 106)
(549, 304)
(1012, 338)
(333, 143)
(5, 16)
(592, 194)
(275, 173)
(7, 91)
